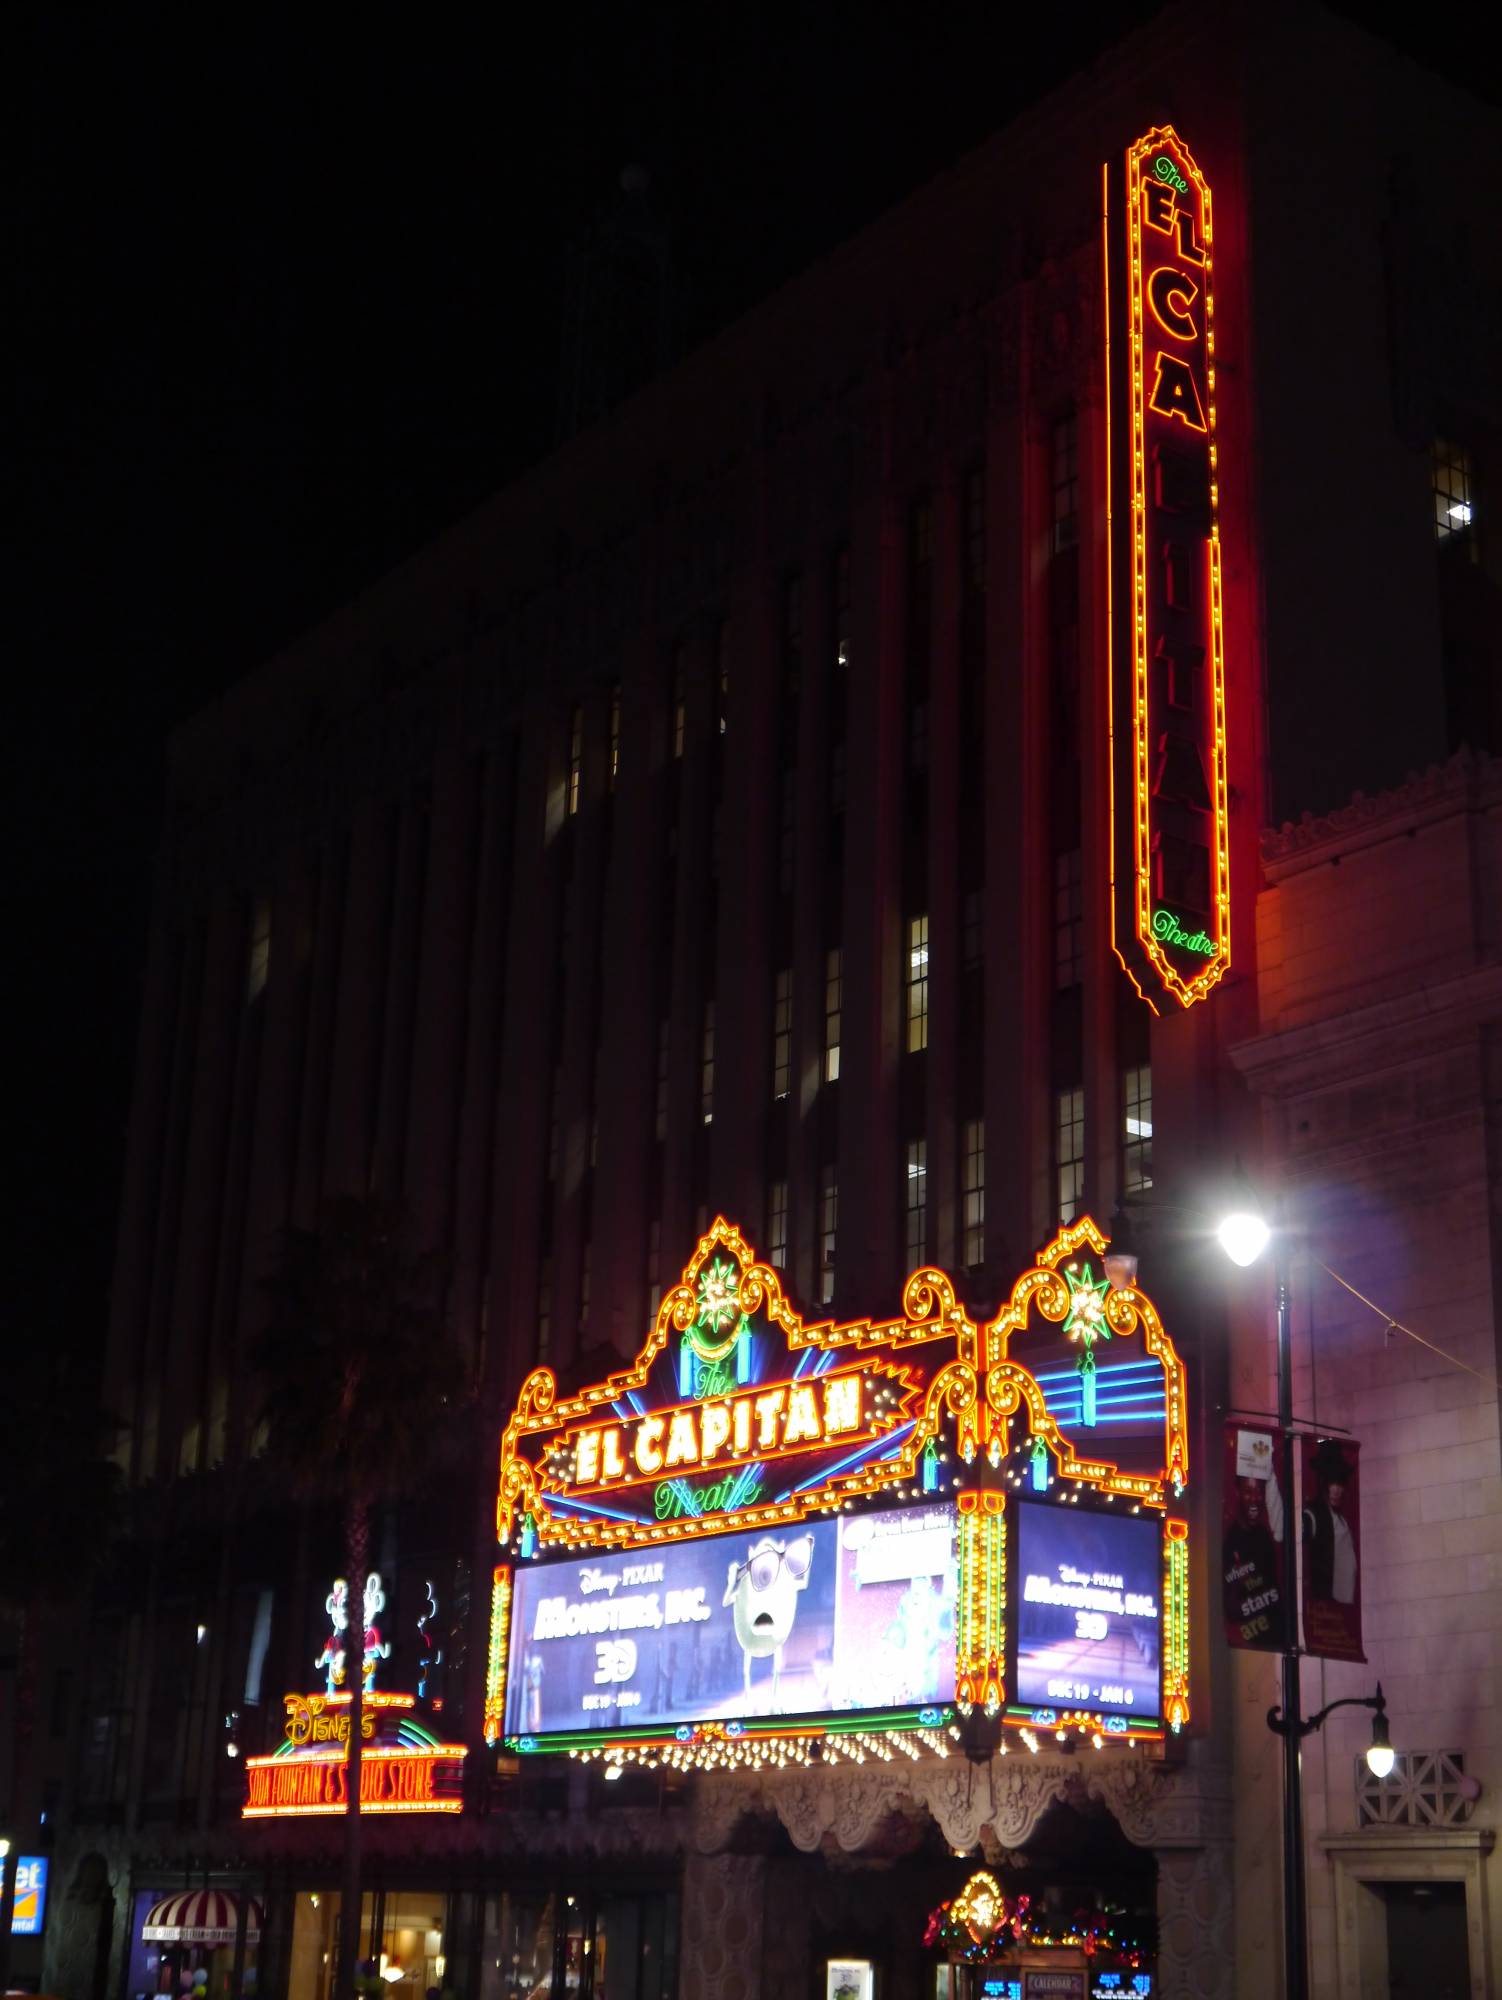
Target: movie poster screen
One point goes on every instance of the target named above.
(814, 1618)
(1087, 1606)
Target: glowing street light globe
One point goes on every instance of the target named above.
(1243, 1236)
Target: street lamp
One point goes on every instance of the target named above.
(1244, 1234)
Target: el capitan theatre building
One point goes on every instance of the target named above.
(806, 900)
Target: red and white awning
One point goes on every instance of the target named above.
(200, 1916)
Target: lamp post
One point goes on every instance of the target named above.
(1244, 1235)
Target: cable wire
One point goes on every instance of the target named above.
(1396, 1326)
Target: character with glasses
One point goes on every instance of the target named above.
(764, 1591)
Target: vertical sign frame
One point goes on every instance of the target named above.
(1170, 834)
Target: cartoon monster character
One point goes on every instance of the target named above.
(336, 1604)
(375, 1652)
(764, 1591)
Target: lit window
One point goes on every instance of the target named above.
(615, 734)
(972, 929)
(777, 1224)
(584, 1263)
(973, 1193)
(842, 608)
(834, 987)
(782, 1035)
(1452, 490)
(917, 984)
(1069, 1151)
(660, 1108)
(680, 701)
(706, 1066)
(1068, 920)
(1137, 1129)
(544, 1308)
(654, 1266)
(258, 964)
(575, 758)
(1065, 479)
(787, 832)
(916, 1192)
(829, 1216)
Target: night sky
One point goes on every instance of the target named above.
(288, 299)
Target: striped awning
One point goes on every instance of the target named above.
(200, 1916)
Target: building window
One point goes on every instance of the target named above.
(972, 929)
(842, 608)
(555, 1122)
(787, 832)
(584, 1272)
(782, 1034)
(917, 984)
(792, 637)
(1069, 1151)
(1068, 920)
(1137, 1129)
(777, 1224)
(915, 1234)
(975, 530)
(829, 1217)
(654, 1266)
(660, 1104)
(1452, 490)
(258, 962)
(917, 736)
(973, 1193)
(680, 701)
(615, 734)
(544, 1308)
(834, 992)
(1065, 480)
(706, 1066)
(575, 758)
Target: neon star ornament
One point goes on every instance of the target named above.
(1086, 1323)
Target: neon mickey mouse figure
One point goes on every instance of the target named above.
(764, 1591)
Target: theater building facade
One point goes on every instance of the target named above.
(782, 898)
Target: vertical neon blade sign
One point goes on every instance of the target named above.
(1171, 895)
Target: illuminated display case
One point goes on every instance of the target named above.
(771, 1540)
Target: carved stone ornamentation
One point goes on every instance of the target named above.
(723, 1902)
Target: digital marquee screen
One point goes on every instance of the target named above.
(1087, 1610)
(816, 1618)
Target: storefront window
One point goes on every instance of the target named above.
(183, 1942)
(575, 1947)
(402, 1931)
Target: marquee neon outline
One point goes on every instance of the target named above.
(975, 1387)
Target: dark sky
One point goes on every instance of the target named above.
(289, 296)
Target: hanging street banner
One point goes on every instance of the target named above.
(1330, 1557)
(1251, 1549)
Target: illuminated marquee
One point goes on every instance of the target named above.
(404, 1768)
(1170, 837)
(766, 1536)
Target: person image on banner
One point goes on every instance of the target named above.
(1331, 1551)
(1252, 1556)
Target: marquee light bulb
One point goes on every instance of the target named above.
(1243, 1236)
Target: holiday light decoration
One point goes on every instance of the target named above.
(742, 1423)
(404, 1767)
(1171, 897)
